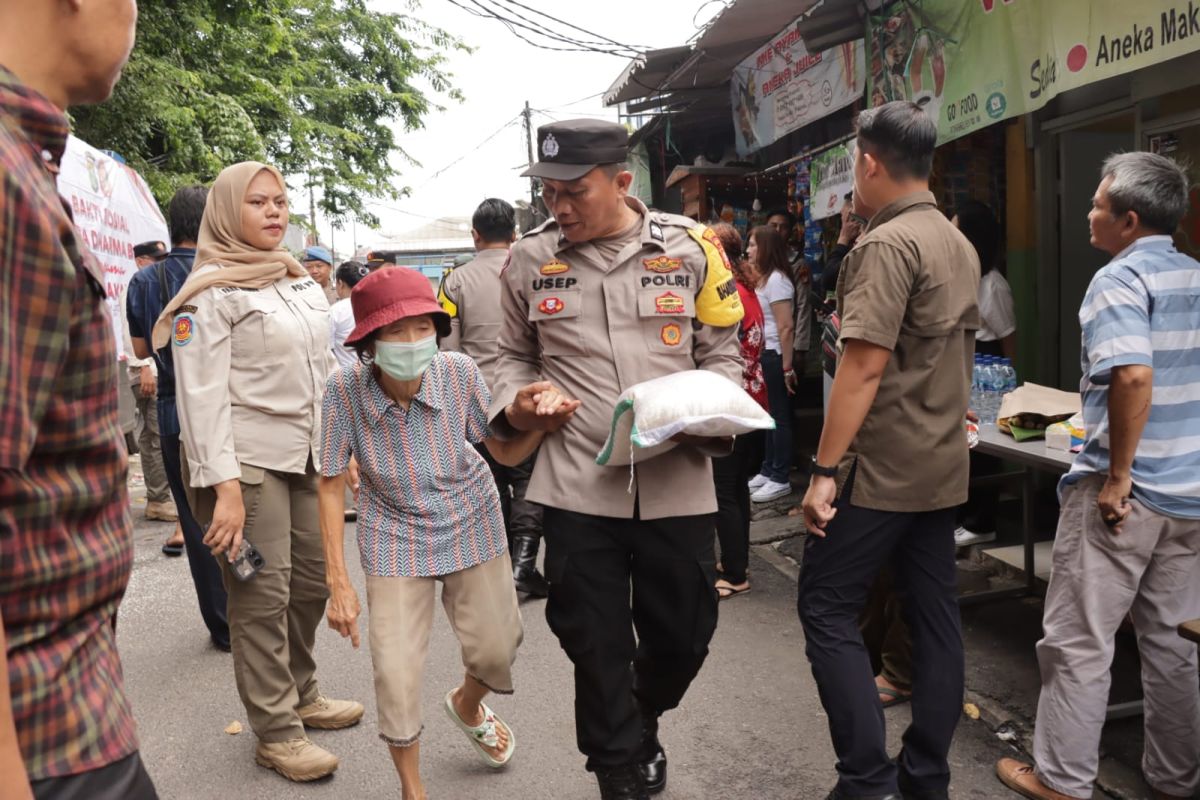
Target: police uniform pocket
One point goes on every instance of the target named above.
(252, 325)
(251, 485)
(667, 316)
(558, 315)
(315, 310)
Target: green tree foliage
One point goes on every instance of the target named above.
(316, 87)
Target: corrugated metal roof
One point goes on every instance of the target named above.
(707, 63)
(448, 233)
(645, 73)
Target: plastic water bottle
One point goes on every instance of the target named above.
(991, 391)
(977, 385)
(1009, 373)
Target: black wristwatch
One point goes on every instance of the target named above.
(824, 472)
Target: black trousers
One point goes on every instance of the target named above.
(835, 578)
(593, 563)
(730, 476)
(206, 572)
(124, 780)
(521, 517)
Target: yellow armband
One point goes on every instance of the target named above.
(448, 305)
(718, 303)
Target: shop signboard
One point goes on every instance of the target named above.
(831, 175)
(114, 210)
(782, 87)
(971, 63)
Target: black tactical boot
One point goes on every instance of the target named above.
(621, 783)
(525, 572)
(652, 761)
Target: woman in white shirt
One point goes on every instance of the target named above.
(341, 315)
(767, 256)
(997, 335)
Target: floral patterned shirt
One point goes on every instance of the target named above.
(751, 337)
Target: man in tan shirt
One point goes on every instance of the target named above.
(606, 295)
(470, 294)
(892, 464)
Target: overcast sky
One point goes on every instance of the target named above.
(496, 80)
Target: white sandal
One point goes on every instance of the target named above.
(484, 735)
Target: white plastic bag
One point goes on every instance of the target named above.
(696, 402)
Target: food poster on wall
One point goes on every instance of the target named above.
(832, 178)
(113, 210)
(782, 87)
(971, 63)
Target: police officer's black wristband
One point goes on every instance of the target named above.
(824, 472)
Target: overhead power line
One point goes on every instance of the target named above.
(472, 151)
(573, 27)
(512, 20)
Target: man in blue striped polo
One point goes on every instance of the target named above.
(1128, 538)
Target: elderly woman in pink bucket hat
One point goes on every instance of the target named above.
(428, 512)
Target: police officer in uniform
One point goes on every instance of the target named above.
(249, 332)
(470, 294)
(606, 295)
(319, 263)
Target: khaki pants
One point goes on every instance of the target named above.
(481, 604)
(1150, 570)
(157, 490)
(273, 617)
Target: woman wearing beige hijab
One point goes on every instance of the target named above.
(250, 335)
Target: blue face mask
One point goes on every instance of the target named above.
(406, 361)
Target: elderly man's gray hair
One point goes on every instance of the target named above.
(1154, 186)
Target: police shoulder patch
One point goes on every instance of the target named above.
(185, 329)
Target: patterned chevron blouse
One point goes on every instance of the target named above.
(427, 504)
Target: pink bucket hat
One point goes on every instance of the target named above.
(393, 293)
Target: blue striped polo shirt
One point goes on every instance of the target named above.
(1143, 308)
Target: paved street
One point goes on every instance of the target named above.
(750, 728)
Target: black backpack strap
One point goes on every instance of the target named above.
(160, 270)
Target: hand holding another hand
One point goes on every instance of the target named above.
(541, 406)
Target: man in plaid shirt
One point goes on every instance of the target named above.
(66, 547)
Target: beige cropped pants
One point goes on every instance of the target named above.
(481, 604)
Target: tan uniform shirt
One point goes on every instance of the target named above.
(250, 372)
(470, 294)
(595, 326)
(910, 284)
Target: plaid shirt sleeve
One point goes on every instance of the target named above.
(66, 549)
(35, 316)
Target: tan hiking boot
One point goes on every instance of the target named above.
(164, 512)
(1022, 778)
(296, 759)
(330, 714)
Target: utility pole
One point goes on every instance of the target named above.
(312, 215)
(528, 114)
